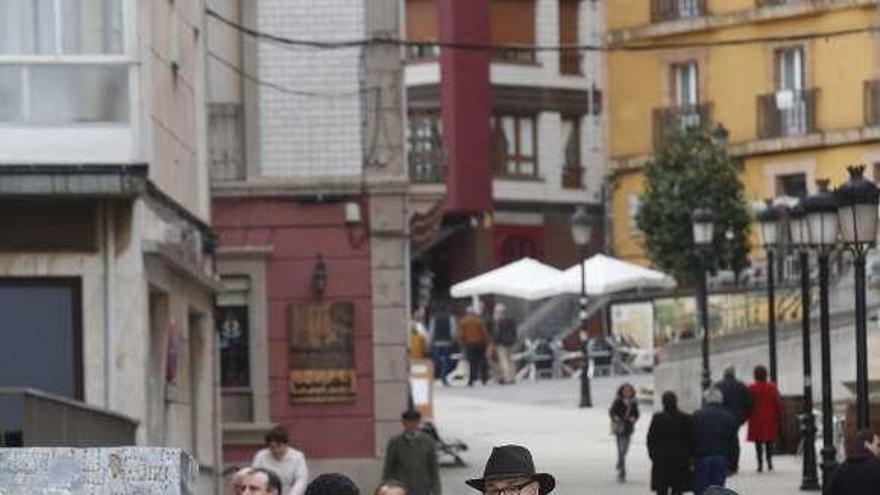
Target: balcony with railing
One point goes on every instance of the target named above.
(30, 418)
(787, 113)
(425, 153)
(773, 3)
(671, 120)
(672, 10)
(872, 103)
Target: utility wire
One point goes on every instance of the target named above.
(623, 46)
(283, 89)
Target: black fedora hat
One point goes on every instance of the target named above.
(509, 461)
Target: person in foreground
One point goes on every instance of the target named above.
(332, 484)
(860, 472)
(510, 470)
(624, 413)
(411, 457)
(669, 447)
(261, 481)
(391, 487)
(714, 438)
(285, 461)
(737, 400)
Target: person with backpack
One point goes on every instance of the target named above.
(441, 335)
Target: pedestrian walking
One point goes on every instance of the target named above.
(504, 338)
(418, 335)
(669, 447)
(332, 484)
(474, 339)
(859, 474)
(737, 400)
(441, 335)
(713, 434)
(285, 461)
(765, 417)
(510, 470)
(624, 413)
(411, 457)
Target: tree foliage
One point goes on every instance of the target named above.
(690, 171)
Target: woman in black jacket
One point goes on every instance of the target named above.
(624, 414)
(669, 447)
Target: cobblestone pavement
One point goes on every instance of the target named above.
(571, 443)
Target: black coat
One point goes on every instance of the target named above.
(713, 431)
(669, 447)
(855, 477)
(737, 398)
(628, 416)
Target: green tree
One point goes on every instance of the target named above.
(693, 170)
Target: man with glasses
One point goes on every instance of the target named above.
(511, 471)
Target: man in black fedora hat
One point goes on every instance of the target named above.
(511, 471)
(411, 457)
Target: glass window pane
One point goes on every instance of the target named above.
(27, 27)
(10, 94)
(508, 124)
(526, 137)
(71, 94)
(92, 26)
(527, 168)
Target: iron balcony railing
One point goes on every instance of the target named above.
(671, 120)
(771, 3)
(787, 113)
(572, 177)
(872, 102)
(31, 418)
(671, 10)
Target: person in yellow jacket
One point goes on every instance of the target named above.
(418, 336)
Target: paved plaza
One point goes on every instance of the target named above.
(571, 443)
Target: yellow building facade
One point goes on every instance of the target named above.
(796, 83)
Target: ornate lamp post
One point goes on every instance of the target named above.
(857, 201)
(581, 228)
(800, 237)
(821, 211)
(702, 220)
(768, 218)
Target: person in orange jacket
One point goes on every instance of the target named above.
(474, 339)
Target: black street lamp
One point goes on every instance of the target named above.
(768, 218)
(581, 228)
(702, 220)
(857, 201)
(800, 237)
(821, 210)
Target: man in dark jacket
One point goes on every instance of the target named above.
(441, 335)
(669, 447)
(737, 400)
(860, 473)
(713, 437)
(411, 457)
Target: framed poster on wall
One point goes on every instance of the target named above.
(321, 351)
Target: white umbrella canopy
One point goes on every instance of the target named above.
(523, 279)
(606, 275)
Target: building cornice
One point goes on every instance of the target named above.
(311, 188)
(711, 21)
(625, 165)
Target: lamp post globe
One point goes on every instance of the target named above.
(768, 219)
(821, 216)
(581, 232)
(857, 201)
(703, 225)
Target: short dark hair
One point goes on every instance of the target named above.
(855, 448)
(390, 484)
(411, 415)
(276, 434)
(332, 484)
(670, 401)
(273, 483)
(760, 373)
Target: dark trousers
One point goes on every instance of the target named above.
(479, 365)
(710, 470)
(665, 490)
(762, 448)
(440, 354)
(622, 449)
(733, 462)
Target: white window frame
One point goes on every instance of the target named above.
(796, 57)
(687, 76)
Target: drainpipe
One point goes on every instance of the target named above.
(109, 233)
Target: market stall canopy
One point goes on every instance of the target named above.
(522, 279)
(605, 275)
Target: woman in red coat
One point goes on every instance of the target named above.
(764, 417)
